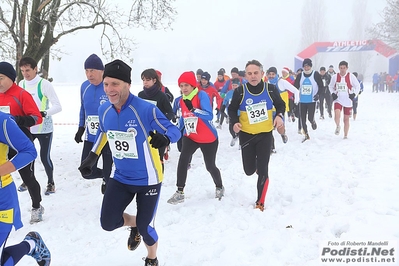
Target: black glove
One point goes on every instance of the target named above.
(87, 164)
(217, 111)
(158, 140)
(43, 113)
(24, 120)
(360, 92)
(352, 96)
(79, 134)
(316, 97)
(334, 96)
(189, 105)
(174, 118)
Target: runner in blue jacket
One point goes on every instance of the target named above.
(11, 136)
(135, 129)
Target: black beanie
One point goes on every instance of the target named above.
(199, 71)
(206, 76)
(220, 73)
(8, 70)
(307, 61)
(119, 70)
(234, 70)
(272, 69)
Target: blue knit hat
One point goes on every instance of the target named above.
(94, 62)
(8, 70)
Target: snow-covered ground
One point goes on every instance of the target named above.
(327, 189)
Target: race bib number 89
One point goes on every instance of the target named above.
(122, 144)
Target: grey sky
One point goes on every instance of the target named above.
(211, 34)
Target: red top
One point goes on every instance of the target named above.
(21, 103)
(212, 93)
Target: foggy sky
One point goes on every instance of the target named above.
(211, 34)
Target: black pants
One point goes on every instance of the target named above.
(208, 151)
(27, 174)
(45, 141)
(327, 98)
(291, 105)
(222, 114)
(307, 109)
(255, 153)
(107, 162)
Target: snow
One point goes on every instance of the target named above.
(327, 189)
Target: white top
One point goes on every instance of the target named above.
(341, 89)
(46, 100)
(284, 85)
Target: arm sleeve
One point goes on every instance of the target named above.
(168, 108)
(355, 83)
(278, 102)
(49, 92)
(82, 121)
(205, 111)
(332, 83)
(318, 80)
(161, 124)
(13, 136)
(169, 94)
(235, 105)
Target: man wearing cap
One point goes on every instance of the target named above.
(48, 103)
(199, 74)
(331, 70)
(20, 104)
(308, 83)
(210, 90)
(135, 129)
(325, 93)
(92, 95)
(220, 81)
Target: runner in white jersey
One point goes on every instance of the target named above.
(48, 103)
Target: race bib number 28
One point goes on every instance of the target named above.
(122, 144)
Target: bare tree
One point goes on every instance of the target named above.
(32, 28)
(360, 61)
(388, 29)
(313, 23)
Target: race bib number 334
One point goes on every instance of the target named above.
(257, 113)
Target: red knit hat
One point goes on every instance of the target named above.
(286, 69)
(189, 78)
